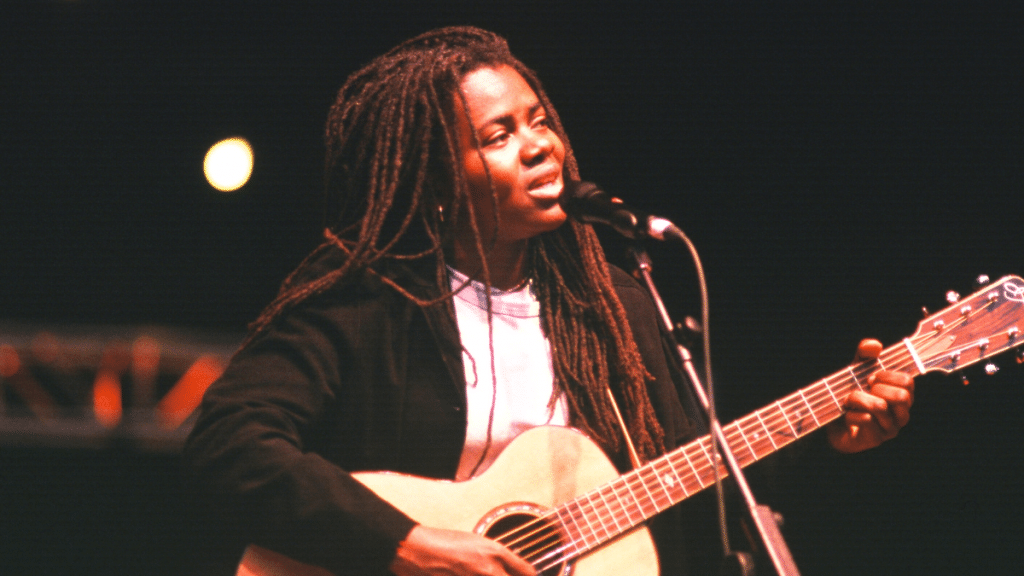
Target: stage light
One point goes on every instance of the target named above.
(106, 398)
(228, 164)
(184, 397)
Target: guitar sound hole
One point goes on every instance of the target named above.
(536, 539)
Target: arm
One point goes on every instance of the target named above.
(263, 449)
(252, 454)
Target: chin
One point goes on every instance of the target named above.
(554, 217)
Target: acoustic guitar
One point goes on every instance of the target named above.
(555, 499)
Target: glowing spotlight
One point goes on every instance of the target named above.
(228, 164)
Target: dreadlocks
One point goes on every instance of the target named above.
(394, 188)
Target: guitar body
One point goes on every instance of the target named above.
(540, 469)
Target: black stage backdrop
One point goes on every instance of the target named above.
(839, 165)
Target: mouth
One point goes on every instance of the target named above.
(546, 187)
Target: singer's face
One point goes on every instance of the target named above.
(521, 151)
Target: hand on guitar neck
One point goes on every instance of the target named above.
(435, 552)
(878, 412)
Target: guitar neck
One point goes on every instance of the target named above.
(603, 514)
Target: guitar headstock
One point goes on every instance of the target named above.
(984, 324)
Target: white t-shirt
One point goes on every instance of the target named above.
(521, 392)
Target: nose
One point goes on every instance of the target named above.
(538, 146)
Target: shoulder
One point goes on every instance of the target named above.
(633, 296)
(354, 309)
(621, 278)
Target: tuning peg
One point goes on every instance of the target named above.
(991, 369)
(952, 297)
(1020, 355)
(981, 280)
(925, 312)
(963, 378)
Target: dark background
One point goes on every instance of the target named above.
(839, 165)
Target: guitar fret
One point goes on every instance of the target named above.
(767, 432)
(675, 473)
(568, 514)
(804, 398)
(653, 486)
(650, 497)
(835, 400)
(590, 504)
(681, 478)
(797, 409)
(573, 529)
(712, 460)
(696, 475)
(673, 483)
(639, 505)
(603, 513)
(631, 518)
(643, 476)
(586, 532)
(638, 499)
(786, 417)
(623, 509)
(662, 485)
(739, 429)
(763, 442)
(856, 381)
(611, 512)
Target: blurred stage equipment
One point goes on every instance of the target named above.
(82, 386)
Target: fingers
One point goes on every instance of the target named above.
(515, 565)
(431, 551)
(897, 389)
(868, 349)
(872, 417)
(885, 404)
(876, 413)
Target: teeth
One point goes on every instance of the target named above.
(545, 183)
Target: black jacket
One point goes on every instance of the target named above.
(357, 379)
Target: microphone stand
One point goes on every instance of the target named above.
(761, 516)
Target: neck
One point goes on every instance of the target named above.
(506, 263)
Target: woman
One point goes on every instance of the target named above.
(452, 306)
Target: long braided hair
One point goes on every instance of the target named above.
(395, 187)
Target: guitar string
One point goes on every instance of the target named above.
(617, 511)
(821, 399)
(624, 508)
(822, 394)
(542, 545)
(895, 358)
(644, 478)
(817, 397)
(547, 520)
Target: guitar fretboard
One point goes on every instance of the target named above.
(603, 514)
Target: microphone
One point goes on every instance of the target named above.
(586, 202)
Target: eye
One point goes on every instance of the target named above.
(495, 139)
